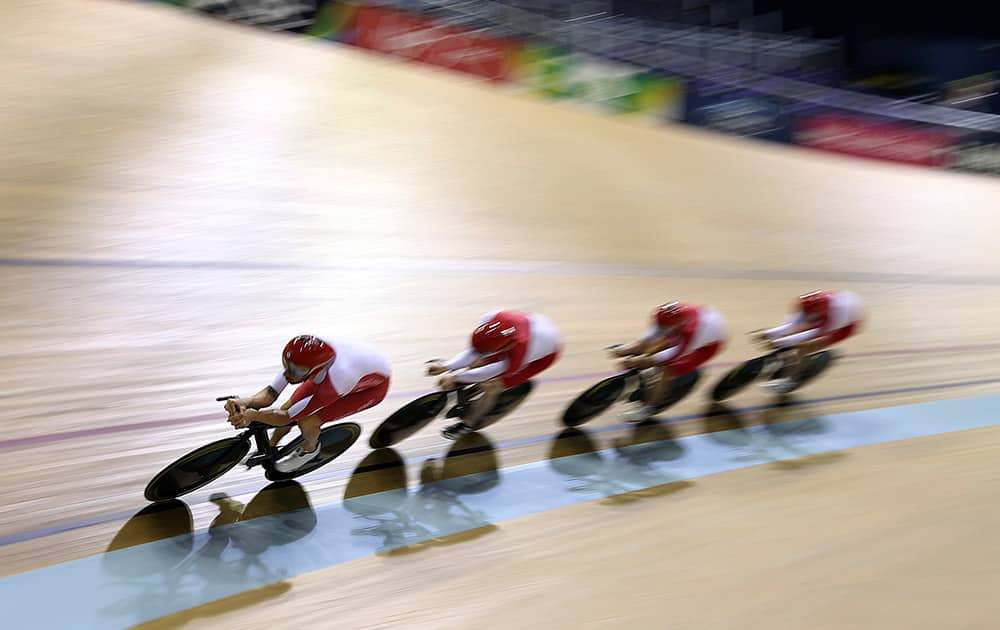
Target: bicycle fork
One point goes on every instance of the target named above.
(265, 452)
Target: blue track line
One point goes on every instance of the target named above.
(147, 581)
(339, 474)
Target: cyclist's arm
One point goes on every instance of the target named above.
(641, 346)
(263, 398)
(484, 373)
(797, 339)
(462, 360)
(793, 323)
(666, 354)
(274, 417)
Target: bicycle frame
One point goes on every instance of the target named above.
(266, 454)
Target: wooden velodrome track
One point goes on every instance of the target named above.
(179, 196)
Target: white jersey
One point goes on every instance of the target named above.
(544, 338)
(353, 362)
(845, 309)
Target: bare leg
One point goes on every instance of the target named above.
(310, 427)
(651, 397)
(659, 391)
(796, 363)
(279, 433)
(491, 392)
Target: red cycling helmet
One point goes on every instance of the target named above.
(813, 303)
(495, 335)
(669, 315)
(305, 355)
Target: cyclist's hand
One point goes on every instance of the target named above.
(448, 383)
(758, 336)
(616, 351)
(235, 407)
(242, 419)
(638, 363)
(435, 368)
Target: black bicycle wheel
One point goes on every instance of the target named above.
(679, 389)
(816, 364)
(408, 419)
(738, 378)
(595, 400)
(196, 469)
(333, 442)
(507, 401)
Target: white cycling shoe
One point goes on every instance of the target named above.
(296, 460)
(639, 414)
(780, 385)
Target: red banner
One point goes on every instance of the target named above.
(895, 142)
(420, 39)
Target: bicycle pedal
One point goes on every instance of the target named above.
(255, 459)
(455, 412)
(772, 364)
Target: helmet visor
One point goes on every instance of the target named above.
(297, 372)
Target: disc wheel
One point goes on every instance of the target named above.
(507, 402)
(333, 442)
(738, 378)
(408, 419)
(595, 400)
(196, 469)
(816, 364)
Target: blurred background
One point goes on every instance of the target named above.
(848, 77)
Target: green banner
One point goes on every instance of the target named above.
(334, 21)
(619, 88)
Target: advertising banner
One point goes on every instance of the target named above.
(542, 70)
(421, 39)
(876, 139)
(976, 93)
(335, 21)
(658, 94)
(977, 154)
(616, 87)
(737, 112)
